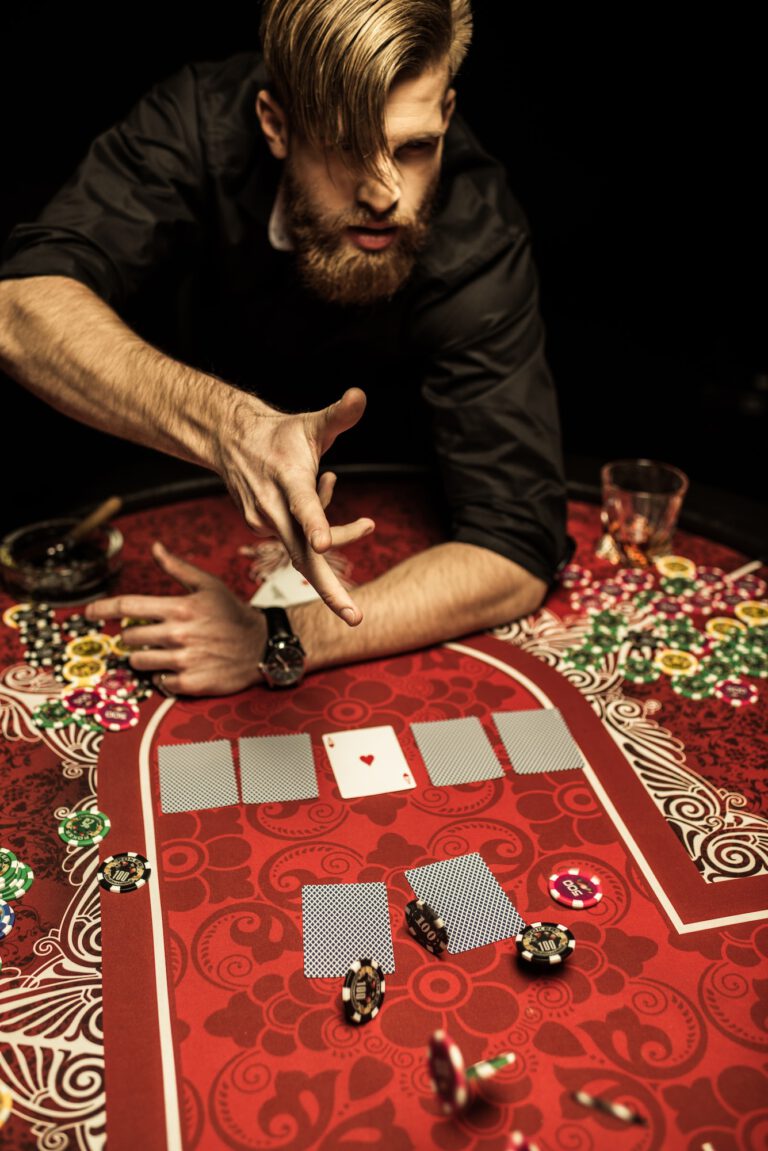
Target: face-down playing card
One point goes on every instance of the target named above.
(343, 922)
(277, 768)
(195, 776)
(456, 751)
(464, 892)
(367, 761)
(538, 741)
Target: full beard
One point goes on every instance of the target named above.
(331, 266)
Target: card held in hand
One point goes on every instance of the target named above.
(367, 761)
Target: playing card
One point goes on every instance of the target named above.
(456, 751)
(343, 922)
(538, 741)
(367, 761)
(194, 776)
(277, 768)
(284, 587)
(465, 893)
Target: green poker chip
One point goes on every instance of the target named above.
(22, 883)
(693, 686)
(52, 715)
(640, 671)
(755, 663)
(8, 863)
(678, 585)
(579, 659)
(85, 828)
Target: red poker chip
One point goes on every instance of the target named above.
(701, 602)
(575, 576)
(117, 715)
(589, 602)
(726, 601)
(635, 580)
(448, 1073)
(575, 888)
(119, 684)
(83, 700)
(709, 578)
(749, 586)
(670, 608)
(613, 589)
(738, 692)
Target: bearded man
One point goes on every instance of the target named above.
(318, 219)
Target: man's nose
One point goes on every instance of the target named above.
(380, 193)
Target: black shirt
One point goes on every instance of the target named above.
(166, 220)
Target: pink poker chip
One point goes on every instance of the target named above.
(448, 1073)
(614, 589)
(119, 684)
(670, 608)
(709, 578)
(83, 700)
(575, 888)
(701, 602)
(589, 602)
(750, 586)
(117, 715)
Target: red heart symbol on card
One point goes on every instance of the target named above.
(367, 759)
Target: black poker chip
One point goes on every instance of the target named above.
(363, 991)
(426, 927)
(123, 872)
(47, 655)
(545, 943)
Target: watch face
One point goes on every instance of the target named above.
(284, 664)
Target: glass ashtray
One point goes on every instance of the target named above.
(79, 574)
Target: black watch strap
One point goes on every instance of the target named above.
(277, 622)
(282, 664)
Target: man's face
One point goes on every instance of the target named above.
(357, 235)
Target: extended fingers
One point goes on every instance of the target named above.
(157, 607)
(342, 534)
(192, 577)
(316, 569)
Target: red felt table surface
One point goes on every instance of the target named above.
(212, 1035)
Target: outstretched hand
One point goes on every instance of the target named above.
(203, 642)
(270, 462)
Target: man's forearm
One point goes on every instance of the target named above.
(66, 345)
(449, 590)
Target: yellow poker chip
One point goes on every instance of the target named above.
(88, 647)
(10, 614)
(83, 671)
(120, 648)
(675, 566)
(721, 626)
(674, 662)
(135, 621)
(752, 612)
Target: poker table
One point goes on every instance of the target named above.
(179, 1015)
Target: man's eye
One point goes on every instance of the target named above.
(416, 148)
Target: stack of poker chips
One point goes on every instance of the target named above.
(99, 690)
(648, 619)
(452, 1081)
(16, 878)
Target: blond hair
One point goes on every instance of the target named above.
(332, 63)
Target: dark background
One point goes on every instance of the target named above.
(636, 149)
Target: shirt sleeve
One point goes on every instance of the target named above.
(138, 194)
(494, 411)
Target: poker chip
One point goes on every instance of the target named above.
(608, 1107)
(487, 1068)
(8, 862)
(671, 661)
(21, 615)
(701, 603)
(447, 1072)
(44, 656)
(52, 715)
(752, 612)
(608, 623)
(123, 684)
(38, 637)
(120, 648)
(613, 589)
(83, 671)
(755, 664)
(117, 714)
(83, 700)
(721, 626)
(7, 919)
(725, 602)
(88, 647)
(709, 578)
(363, 991)
(20, 884)
(635, 579)
(677, 585)
(672, 566)
(516, 1141)
(693, 686)
(77, 625)
(752, 586)
(737, 692)
(545, 943)
(6, 1104)
(666, 608)
(126, 871)
(426, 927)
(589, 602)
(641, 671)
(575, 888)
(85, 828)
(575, 576)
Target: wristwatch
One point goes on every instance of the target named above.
(282, 664)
